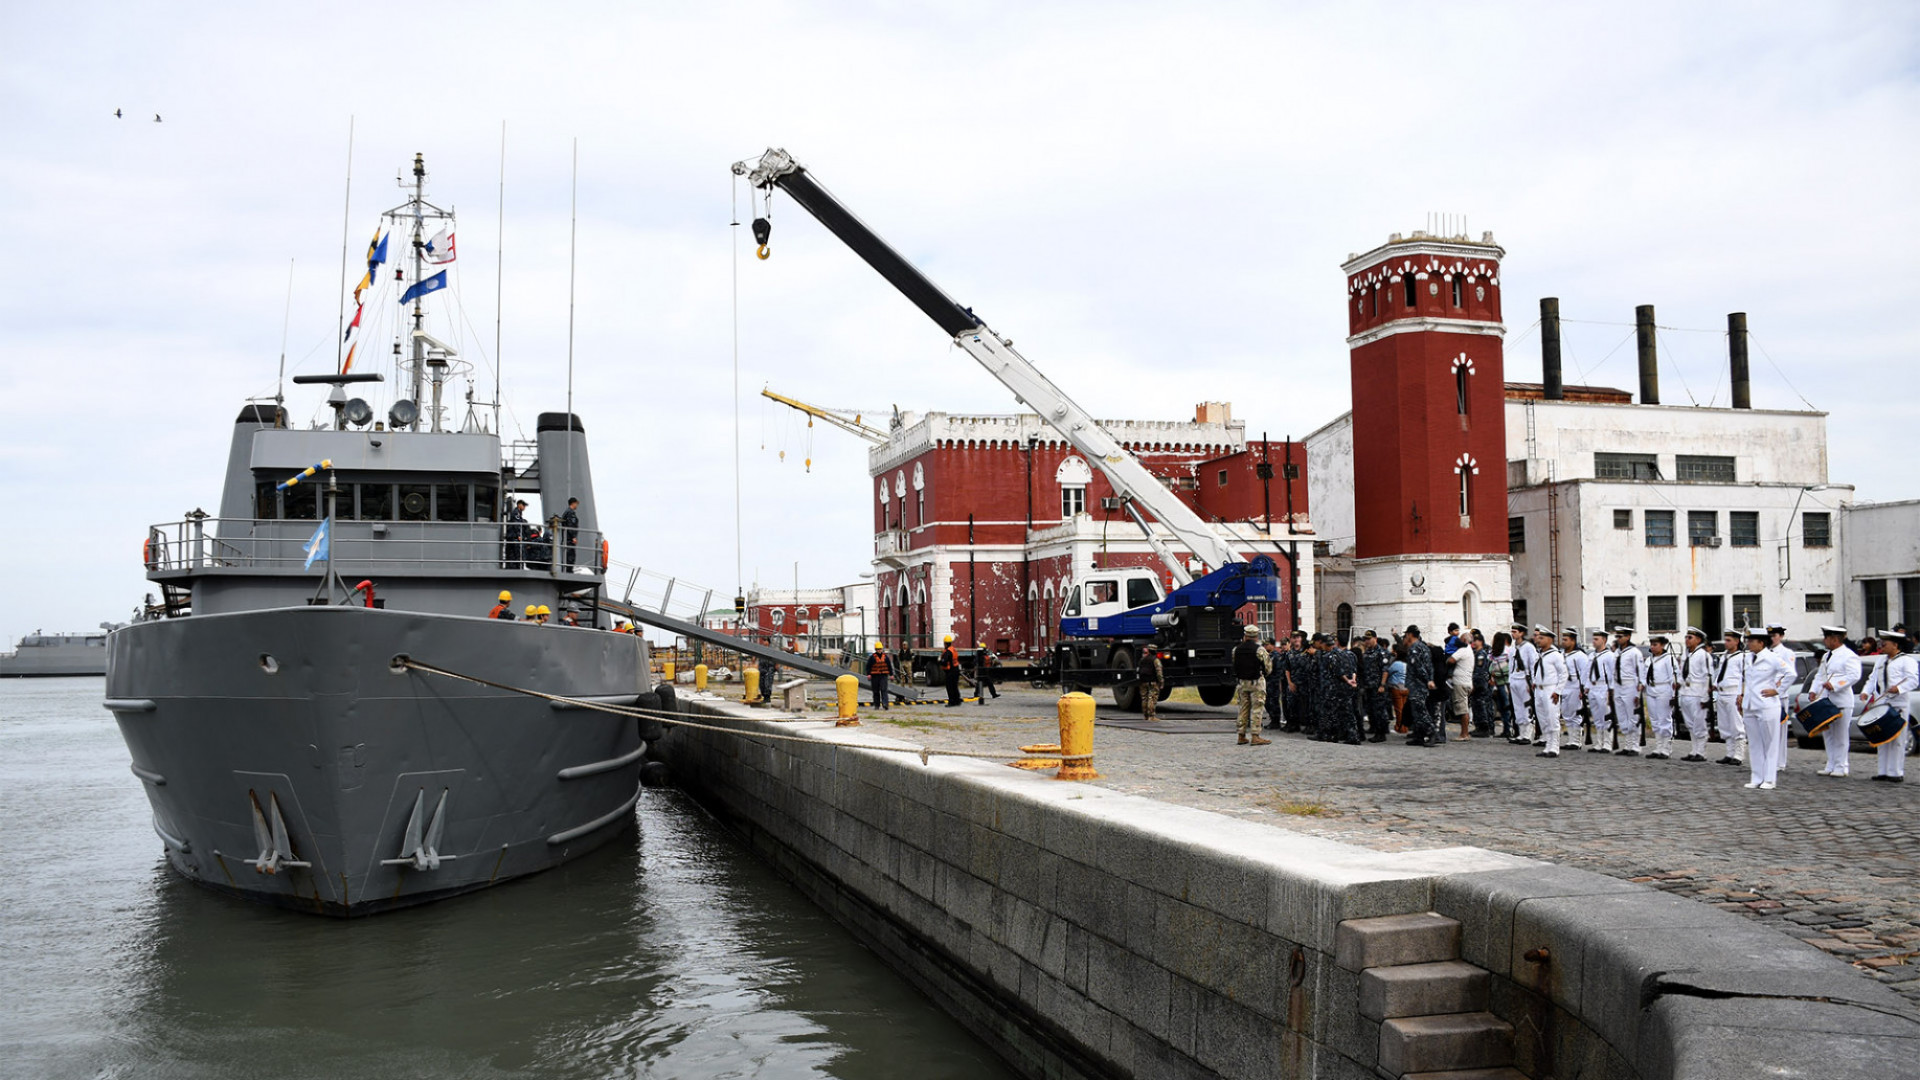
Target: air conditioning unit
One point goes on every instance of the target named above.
(1110, 503)
(1710, 541)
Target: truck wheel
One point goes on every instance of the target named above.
(1166, 691)
(1217, 695)
(1126, 693)
(1068, 662)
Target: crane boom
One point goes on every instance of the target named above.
(851, 427)
(1129, 477)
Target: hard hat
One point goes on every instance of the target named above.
(879, 646)
(505, 596)
(544, 610)
(532, 610)
(949, 639)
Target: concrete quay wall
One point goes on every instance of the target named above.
(1089, 933)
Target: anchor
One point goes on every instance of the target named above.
(420, 848)
(276, 850)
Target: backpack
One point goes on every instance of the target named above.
(1246, 661)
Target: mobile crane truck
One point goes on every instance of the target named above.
(1111, 617)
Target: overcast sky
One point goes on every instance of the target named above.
(1154, 200)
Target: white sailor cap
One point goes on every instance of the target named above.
(1836, 631)
(1756, 632)
(1776, 628)
(1892, 635)
(1570, 631)
(1730, 632)
(1697, 632)
(1541, 628)
(1627, 630)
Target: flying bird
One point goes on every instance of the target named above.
(156, 118)
(116, 114)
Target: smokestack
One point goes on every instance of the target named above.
(1649, 358)
(1550, 348)
(1737, 355)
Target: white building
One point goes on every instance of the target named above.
(1880, 561)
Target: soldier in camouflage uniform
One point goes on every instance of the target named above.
(1374, 659)
(1153, 675)
(1276, 685)
(1419, 686)
(1251, 666)
(1294, 697)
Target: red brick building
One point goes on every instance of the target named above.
(980, 521)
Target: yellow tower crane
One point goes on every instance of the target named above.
(847, 420)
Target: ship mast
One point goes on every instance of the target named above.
(419, 249)
(428, 358)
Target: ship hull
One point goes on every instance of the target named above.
(301, 713)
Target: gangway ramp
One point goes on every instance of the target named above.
(662, 615)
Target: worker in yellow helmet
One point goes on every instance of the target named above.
(503, 609)
(533, 612)
(950, 671)
(542, 614)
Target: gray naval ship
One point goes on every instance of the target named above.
(289, 753)
(42, 655)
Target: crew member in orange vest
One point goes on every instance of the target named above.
(950, 668)
(503, 609)
(879, 668)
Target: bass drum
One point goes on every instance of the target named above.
(1817, 715)
(1881, 724)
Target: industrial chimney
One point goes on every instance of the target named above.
(1649, 358)
(1737, 356)
(1550, 349)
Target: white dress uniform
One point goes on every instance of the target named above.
(1729, 673)
(1896, 680)
(1549, 683)
(1520, 685)
(1663, 682)
(1573, 695)
(1834, 681)
(1696, 684)
(1760, 674)
(1606, 673)
(1786, 680)
(1626, 694)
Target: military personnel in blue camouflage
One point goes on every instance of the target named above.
(1419, 686)
(1374, 660)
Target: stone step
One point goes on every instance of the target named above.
(1469, 1074)
(1391, 940)
(1445, 986)
(1475, 1040)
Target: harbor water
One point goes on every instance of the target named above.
(670, 953)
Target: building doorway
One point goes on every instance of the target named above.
(1707, 613)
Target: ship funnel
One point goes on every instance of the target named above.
(566, 473)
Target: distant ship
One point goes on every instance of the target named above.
(289, 753)
(40, 654)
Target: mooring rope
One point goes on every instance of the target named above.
(924, 752)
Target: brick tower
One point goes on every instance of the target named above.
(1429, 434)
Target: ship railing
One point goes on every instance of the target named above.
(209, 544)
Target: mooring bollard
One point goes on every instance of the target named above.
(1076, 738)
(666, 671)
(846, 692)
(699, 676)
(752, 680)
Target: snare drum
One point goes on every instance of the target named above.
(1817, 714)
(1881, 724)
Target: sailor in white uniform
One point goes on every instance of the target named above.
(1729, 673)
(1549, 679)
(1761, 679)
(1578, 663)
(1606, 672)
(1520, 686)
(1896, 680)
(1663, 682)
(1696, 683)
(1776, 644)
(1834, 681)
(1630, 671)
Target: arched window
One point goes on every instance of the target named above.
(776, 618)
(1466, 467)
(1459, 292)
(1407, 281)
(1460, 390)
(1073, 476)
(1343, 622)
(1469, 608)
(1375, 293)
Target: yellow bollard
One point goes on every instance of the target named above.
(699, 676)
(846, 691)
(666, 671)
(753, 685)
(1076, 738)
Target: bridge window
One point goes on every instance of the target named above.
(301, 502)
(376, 502)
(415, 501)
(486, 502)
(266, 501)
(450, 502)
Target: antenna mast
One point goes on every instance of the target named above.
(419, 246)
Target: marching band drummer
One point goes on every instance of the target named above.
(1696, 683)
(1663, 679)
(1895, 681)
(1834, 681)
(1760, 683)
(1728, 674)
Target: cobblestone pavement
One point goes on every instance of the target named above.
(1835, 863)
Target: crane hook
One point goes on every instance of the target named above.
(762, 229)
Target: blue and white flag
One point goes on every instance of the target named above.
(316, 548)
(424, 286)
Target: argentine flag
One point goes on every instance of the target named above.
(316, 548)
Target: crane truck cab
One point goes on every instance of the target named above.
(1110, 592)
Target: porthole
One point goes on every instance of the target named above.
(268, 664)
